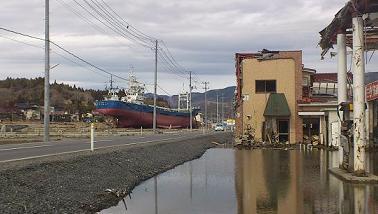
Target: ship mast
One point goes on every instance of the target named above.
(111, 81)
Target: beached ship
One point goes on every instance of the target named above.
(130, 111)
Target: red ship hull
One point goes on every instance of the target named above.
(134, 119)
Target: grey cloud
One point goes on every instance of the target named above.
(203, 36)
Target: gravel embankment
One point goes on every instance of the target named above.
(77, 183)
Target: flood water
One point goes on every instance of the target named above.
(228, 181)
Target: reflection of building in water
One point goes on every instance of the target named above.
(320, 189)
(295, 182)
(269, 181)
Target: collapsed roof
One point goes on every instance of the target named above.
(343, 23)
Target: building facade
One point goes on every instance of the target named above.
(279, 100)
(269, 85)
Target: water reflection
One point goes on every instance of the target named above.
(205, 185)
(252, 181)
(275, 187)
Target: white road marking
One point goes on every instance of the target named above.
(26, 147)
(82, 150)
(102, 141)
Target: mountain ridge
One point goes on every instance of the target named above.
(75, 99)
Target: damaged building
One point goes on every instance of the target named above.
(279, 100)
(269, 85)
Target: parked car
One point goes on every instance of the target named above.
(219, 127)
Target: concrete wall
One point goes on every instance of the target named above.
(286, 69)
(332, 118)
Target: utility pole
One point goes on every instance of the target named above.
(222, 117)
(206, 87)
(46, 124)
(217, 108)
(155, 86)
(190, 101)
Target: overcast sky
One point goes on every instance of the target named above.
(202, 35)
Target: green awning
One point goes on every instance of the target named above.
(277, 106)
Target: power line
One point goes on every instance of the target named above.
(77, 13)
(86, 62)
(174, 60)
(66, 51)
(169, 67)
(164, 90)
(21, 34)
(130, 26)
(171, 63)
(132, 30)
(73, 55)
(68, 59)
(97, 27)
(114, 26)
(56, 53)
(171, 60)
(108, 17)
(175, 67)
(25, 43)
(112, 20)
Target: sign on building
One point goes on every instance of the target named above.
(372, 91)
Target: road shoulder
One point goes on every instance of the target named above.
(76, 183)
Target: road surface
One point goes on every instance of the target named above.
(14, 152)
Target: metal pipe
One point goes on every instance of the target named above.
(342, 82)
(359, 95)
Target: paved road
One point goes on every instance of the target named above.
(24, 151)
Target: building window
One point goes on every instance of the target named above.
(265, 86)
(306, 81)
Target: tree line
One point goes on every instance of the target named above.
(63, 97)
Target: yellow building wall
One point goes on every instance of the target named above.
(281, 70)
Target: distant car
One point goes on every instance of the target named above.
(219, 127)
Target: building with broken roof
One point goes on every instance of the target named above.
(279, 100)
(269, 85)
(355, 26)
